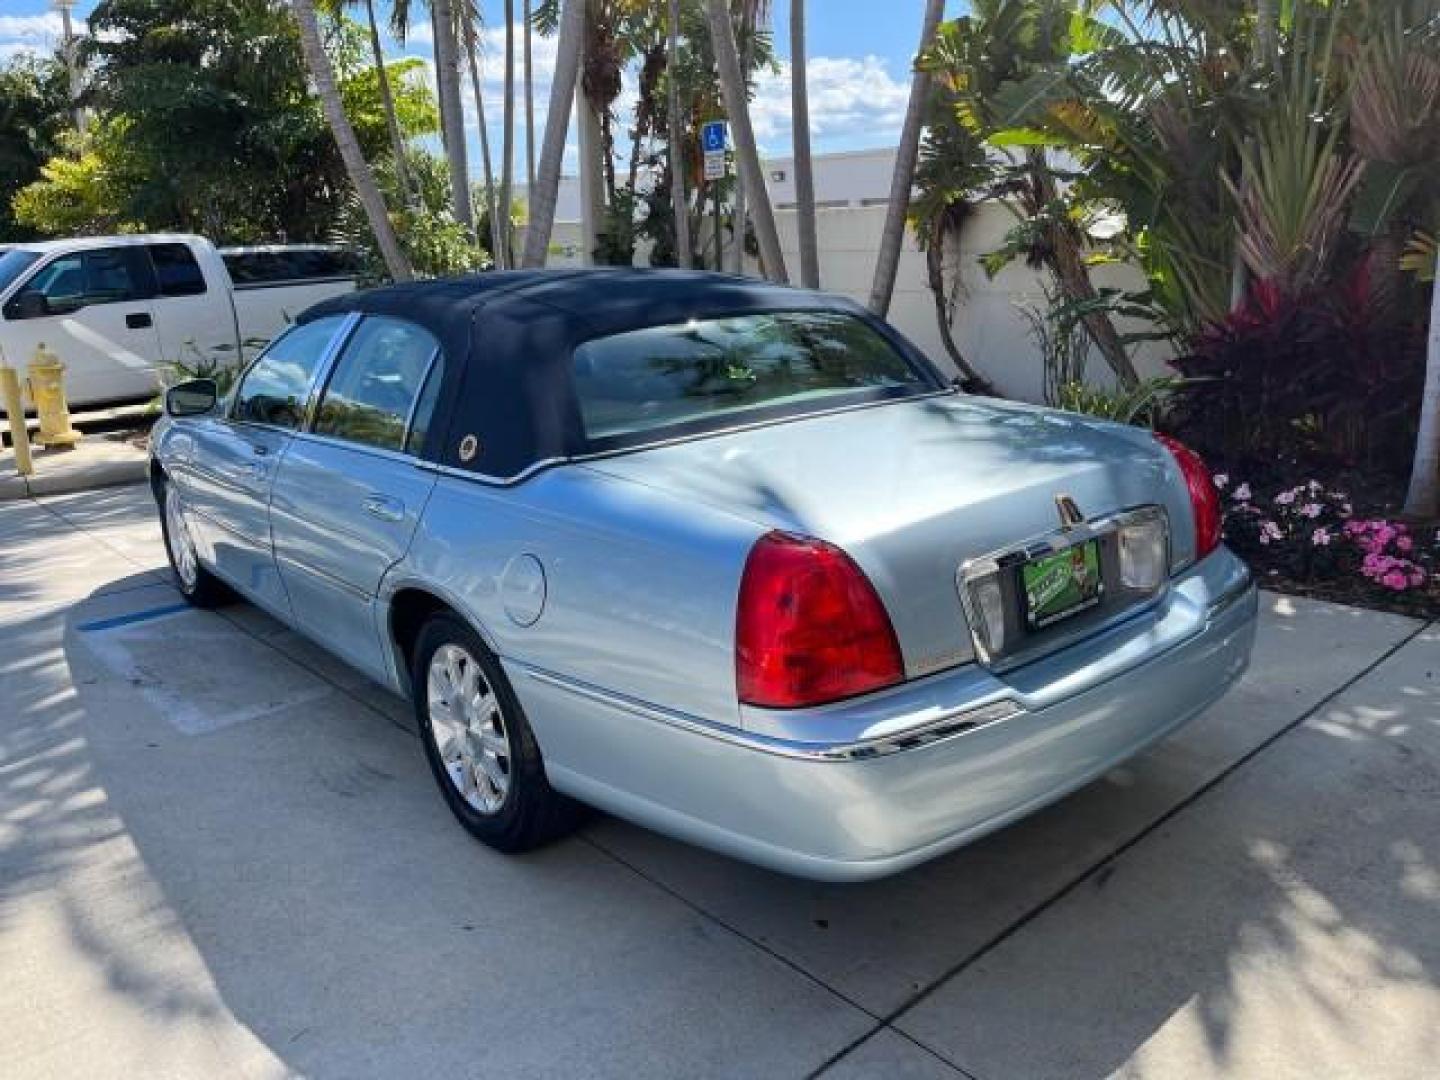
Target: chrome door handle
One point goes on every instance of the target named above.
(384, 507)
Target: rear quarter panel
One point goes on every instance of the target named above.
(640, 587)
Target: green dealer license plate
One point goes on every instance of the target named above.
(1060, 585)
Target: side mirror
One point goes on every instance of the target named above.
(30, 304)
(193, 398)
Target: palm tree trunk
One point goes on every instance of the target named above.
(507, 159)
(452, 116)
(887, 262)
(387, 102)
(472, 47)
(529, 104)
(804, 171)
(1422, 500)
(741, 215)
(1266, 26)
(356, 167)
(562, 94)
(732, 86)
(679, 200)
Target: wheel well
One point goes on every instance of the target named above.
(409, 611)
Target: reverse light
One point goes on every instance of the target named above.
(1143, 543)
(809, 626)
(1204, 499)
(987, 609)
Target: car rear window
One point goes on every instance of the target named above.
(644, 381)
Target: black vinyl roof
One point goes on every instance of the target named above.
(508, 338)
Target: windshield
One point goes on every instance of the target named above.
(13, 263)
(666, 376)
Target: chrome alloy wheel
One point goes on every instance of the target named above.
(469, 728)
(178, 540)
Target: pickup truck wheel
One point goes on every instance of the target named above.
(196, 584)
(479, 745)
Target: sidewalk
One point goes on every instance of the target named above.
(100, 460)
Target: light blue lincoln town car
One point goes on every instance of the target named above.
(730, 560)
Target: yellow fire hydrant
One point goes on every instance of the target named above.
(46, 376)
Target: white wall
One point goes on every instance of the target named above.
(988, 327)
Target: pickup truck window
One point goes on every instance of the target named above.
(82, 278)
(176, 271)
(274, 390)
(376, 383)
(256, 269)
(666, 376)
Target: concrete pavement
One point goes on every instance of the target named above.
(221, 853)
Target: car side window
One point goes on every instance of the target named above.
(176, 271)
(275, 389)
(377, 383)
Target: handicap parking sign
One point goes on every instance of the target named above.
(714, 135)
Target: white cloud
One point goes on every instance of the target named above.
(33, 33)
(852, 100)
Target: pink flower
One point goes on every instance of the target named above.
(1311, 510)
(1241, 493)
(1320, 537)
(1270, 531)
(1285, 498)
(1404, 543)
(1395, 580)
(1222, 480)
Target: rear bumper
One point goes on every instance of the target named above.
(910, 773)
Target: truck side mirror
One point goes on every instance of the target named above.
(193, 398)
(30, 304)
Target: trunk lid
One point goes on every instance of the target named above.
(912, 490)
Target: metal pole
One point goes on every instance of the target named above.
(15, 413)
(719, 219)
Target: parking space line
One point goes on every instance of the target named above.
(1064, 890)
(144, 615)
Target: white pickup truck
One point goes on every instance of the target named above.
(122, 311)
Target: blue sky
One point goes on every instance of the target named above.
(858, 70)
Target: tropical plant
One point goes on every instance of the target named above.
(993, 68)
(33, 99)
(434, 243)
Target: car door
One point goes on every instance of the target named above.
(228, 472)
(349, 494)
(95, 315)
(194, 318)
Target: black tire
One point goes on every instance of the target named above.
(530, 812)
(205, 590)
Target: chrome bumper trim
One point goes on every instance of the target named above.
(951, 725)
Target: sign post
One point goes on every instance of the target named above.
(714, 140)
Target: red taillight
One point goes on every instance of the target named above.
(809, 627)
(1204, 499)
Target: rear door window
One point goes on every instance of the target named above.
(176, 271)
(275, 389)
(644, 381)
(373, 393)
